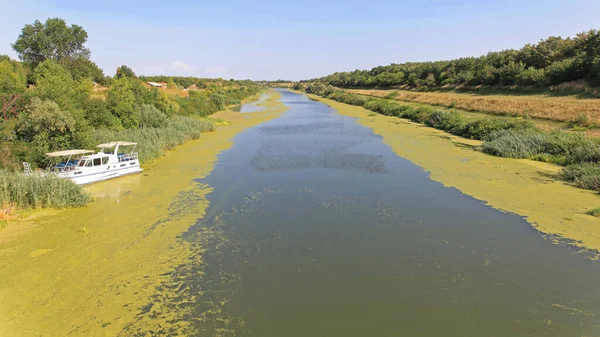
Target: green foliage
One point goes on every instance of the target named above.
(549, 62)
(125, 71)
(583, 175)
(82, 68)
(218, 100)
(13, 77)
(122, 101)
(450, 121)
(34, 191)
(53, 40)
(54, 82)
(98, 114)
(47, 127)
(594, 212)
(562, 148)
(151, 117)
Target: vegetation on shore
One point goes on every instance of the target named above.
(567, 109)
(550, 62)
(509, 137)
(67, 102)
(32, 191)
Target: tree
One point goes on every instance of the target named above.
(13, 77)
(99, 116)
(53, 40)
(121, 102)
(54, 82)
(151, 117)
(81, 68)
(47, 127)
(125, 71)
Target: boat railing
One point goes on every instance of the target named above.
(127, 156)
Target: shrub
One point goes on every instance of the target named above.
(558, 147)
(594, 212)
(150, 116)
(584, 175)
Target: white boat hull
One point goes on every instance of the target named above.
(93, 177)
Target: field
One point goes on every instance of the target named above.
(568, 109)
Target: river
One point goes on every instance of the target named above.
(315, 227)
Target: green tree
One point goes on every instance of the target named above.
(53, 40)
(81, 68)
(99, 115)
(121, 102)
(54, 82)
(218, 100)
(125, 71)
(48, 127)
(13, 77)
(150, 116)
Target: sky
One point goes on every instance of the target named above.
(294, 40)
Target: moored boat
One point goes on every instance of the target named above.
(85, 167)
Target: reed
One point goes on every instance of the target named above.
(34, 191)
(153, 141)
(562, 148)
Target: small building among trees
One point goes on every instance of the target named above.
(159, 85)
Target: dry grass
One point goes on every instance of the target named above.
(563, 109)
(176, 92)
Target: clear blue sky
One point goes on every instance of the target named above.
(296, 39)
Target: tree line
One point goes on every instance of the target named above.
(550, 62)
(65, 96)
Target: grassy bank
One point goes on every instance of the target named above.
(566, 109)
(447, 120)
(509, 137)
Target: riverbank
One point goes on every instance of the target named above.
(89, 271)
(563, 110)
(523, 187)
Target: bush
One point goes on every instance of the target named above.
(594, 212)
(584, 175)
(151, 117)
(558, 147)
(47, 127)
(33, 191)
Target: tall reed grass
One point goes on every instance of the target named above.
(34, 191)
(562, 148)
(153, 141)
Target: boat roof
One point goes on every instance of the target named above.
(112, 144)
(67, 153)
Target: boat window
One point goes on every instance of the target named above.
(81, 163)
(88, 163)
(97, 161)
(104, 160)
